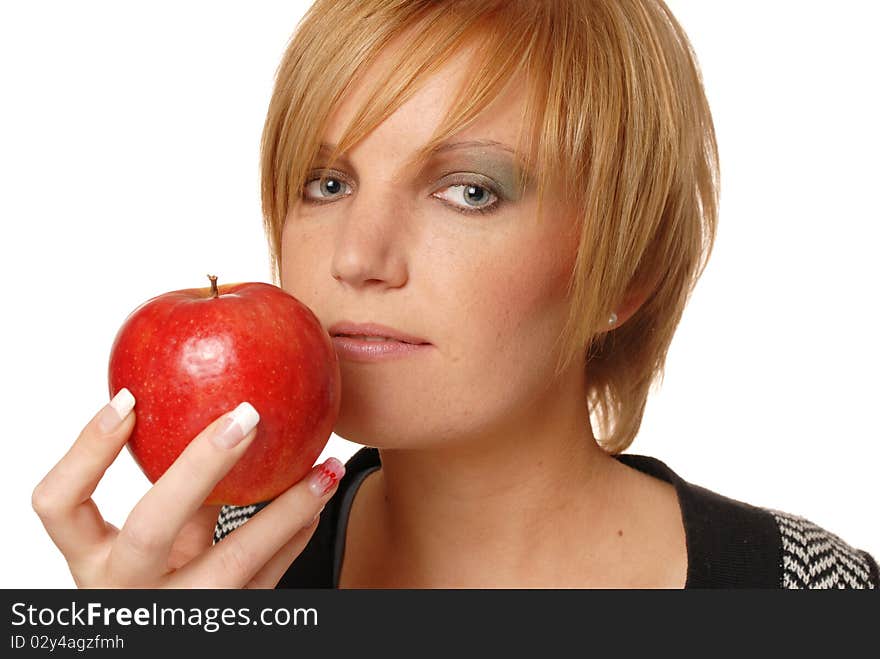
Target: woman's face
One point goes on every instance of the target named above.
(383, 243)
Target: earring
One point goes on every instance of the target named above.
(612, 319)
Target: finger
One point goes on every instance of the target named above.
(63, 498)
(195, 536)
(270, 574)
(235, 560)
(144, 543)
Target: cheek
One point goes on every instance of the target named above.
(500, 309)
(521, 301)
(302, 262)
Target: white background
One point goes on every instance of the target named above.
(129, 142)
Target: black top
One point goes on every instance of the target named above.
(730, 544)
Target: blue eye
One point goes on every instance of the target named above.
(474, 192)
(329, 184)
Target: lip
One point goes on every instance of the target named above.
(359, 350)
(373, 329)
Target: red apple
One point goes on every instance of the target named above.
(191, 355)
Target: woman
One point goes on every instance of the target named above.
(522, 195)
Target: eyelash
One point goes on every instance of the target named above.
(466, 183)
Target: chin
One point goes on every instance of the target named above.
(368, 427)
(380, 421)
(401, 431)
(375, 435)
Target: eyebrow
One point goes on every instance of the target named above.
(327, 148)
(446, 146)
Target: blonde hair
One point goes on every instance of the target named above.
(620, 130)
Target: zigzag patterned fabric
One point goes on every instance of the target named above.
(231, 517)
(815, 558)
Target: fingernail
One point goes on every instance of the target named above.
(114, 412)
(239, 422)
(325, 476)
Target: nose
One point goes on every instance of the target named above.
(370, 245)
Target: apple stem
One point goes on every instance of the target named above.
(214, 291)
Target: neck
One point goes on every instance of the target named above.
(498, 508)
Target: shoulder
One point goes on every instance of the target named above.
(814, 557)
(735, 544)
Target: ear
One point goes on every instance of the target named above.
(630, 304)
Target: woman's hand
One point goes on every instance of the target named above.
(166, 540)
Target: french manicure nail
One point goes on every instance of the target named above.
(114, 412)
(325, 476)
(239, 422)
